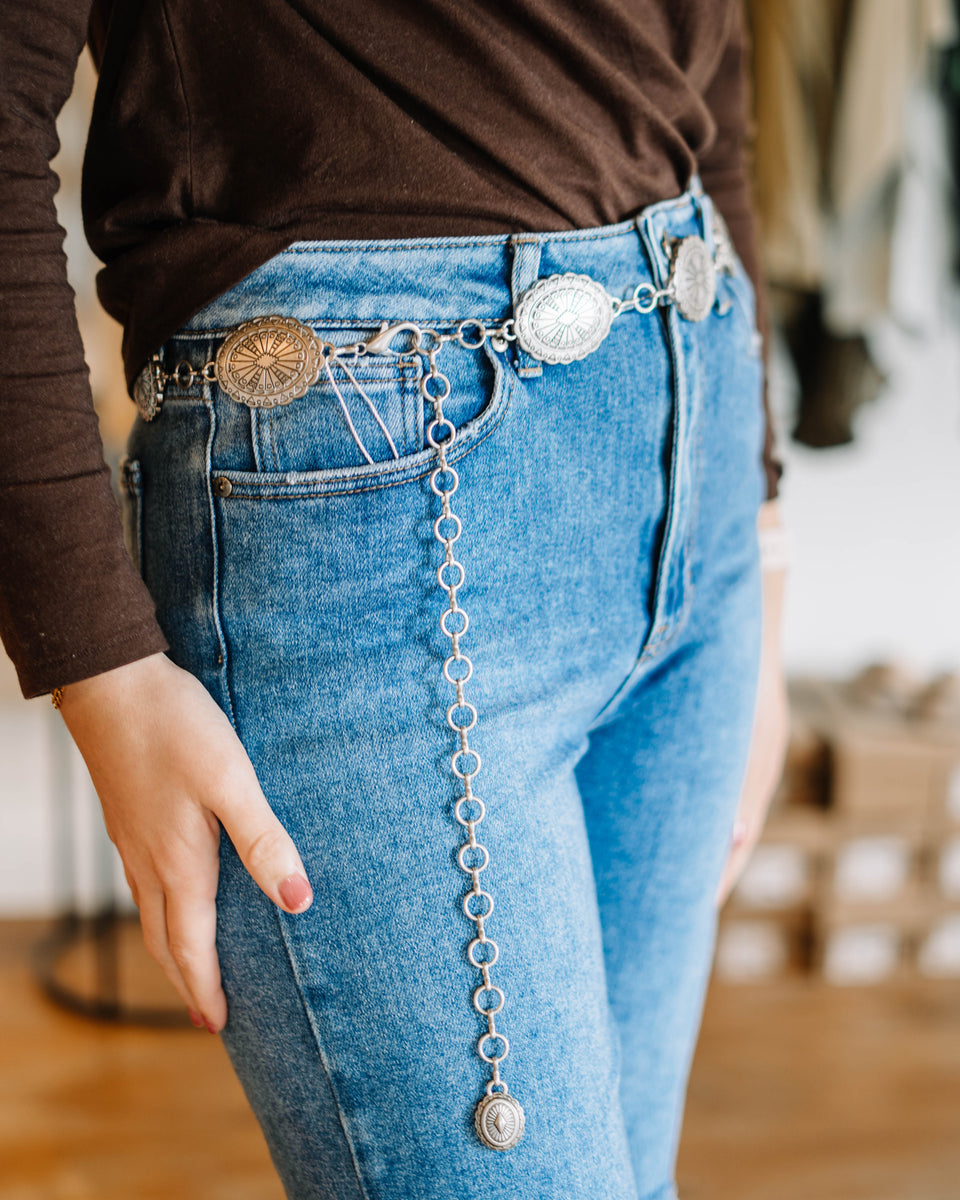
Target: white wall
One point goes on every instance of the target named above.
(877, 526)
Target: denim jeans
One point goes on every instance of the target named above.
(612, 584)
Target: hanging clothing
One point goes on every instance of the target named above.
(832, 79)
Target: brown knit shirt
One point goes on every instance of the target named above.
(224, 130)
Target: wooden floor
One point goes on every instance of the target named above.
(799, 1092)
(810, 1092)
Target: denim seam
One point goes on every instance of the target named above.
(131, 484)
(408, 407)
(224, 664)
(697, 468)
(272, 433)
(256, 417)
(346, 245)
(526, 252)
(669, 631)
(663, 632)
(322, 1058)
(138, 517)
(662, 635)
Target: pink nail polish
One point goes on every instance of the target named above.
(210, 1028)
(295, 892)
(195, 1019)
(739, 832)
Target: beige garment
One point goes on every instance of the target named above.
(794, 78)
(886, 51)
(831, 80)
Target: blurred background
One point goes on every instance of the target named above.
(829, 1063)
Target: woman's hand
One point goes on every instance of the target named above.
(771, 727)
(168, 769)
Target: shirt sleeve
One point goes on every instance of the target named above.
(725, 174)
(71, 602)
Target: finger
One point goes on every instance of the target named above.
(741, 845)
(265, 848)
(191, 938)
(132, 885)
(153, 923)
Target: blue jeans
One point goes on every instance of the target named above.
(612, 585)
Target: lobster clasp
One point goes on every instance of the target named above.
(380, 342)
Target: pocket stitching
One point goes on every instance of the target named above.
(376, 483)
(318, 484)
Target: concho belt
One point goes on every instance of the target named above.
(271, 361)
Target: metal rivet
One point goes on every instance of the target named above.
(222, 486)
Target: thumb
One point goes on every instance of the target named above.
(265, 848)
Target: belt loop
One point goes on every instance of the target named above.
(706, 222)
(525, 271)
(650, 229)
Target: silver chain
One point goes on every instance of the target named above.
(503, 1128)
(471, 334)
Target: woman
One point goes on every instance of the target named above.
(449, 444)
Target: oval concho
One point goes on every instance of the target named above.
(499, 1121)
(148, 389)
(693, 281)
(268, 361)
(563, 317)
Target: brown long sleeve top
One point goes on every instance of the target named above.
(224, 130)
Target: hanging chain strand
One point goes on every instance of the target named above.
(498, 1118)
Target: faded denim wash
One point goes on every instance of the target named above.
(613, 590)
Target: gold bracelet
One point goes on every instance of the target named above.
(56, 697)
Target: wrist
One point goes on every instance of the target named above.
(106, 686)
(776, 541)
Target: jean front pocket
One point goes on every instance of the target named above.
(361, 410)
(365, 424)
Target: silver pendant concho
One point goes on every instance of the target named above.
(498, 1120)
(563, 318)
(148, 389)
(693, 280)
(268, 361)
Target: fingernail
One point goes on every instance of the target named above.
(739, 832)
(295, 892)
(210, 1028)
(195, 1019)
